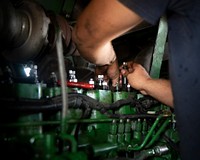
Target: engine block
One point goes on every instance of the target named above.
(100, 124)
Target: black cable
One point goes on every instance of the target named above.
(75, 100)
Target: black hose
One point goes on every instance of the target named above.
(76, 101)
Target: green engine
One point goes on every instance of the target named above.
(101, 123)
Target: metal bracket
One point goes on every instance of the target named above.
(159, 48)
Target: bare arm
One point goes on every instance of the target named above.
(139, 79)
(100, 23)
(160, 89)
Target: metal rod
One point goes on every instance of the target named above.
(62, 71)
(150, 133)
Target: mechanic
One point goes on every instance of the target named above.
(104, 20)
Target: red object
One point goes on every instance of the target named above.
(83, 85)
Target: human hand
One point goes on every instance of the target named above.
(110, 72)
(136, 74)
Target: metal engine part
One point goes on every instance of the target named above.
(27, 25)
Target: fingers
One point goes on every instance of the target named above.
(113, 73)
(127, 68)
(124, 72)
(115, 82)
(110, 72)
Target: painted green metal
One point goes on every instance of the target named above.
(159, 48)
(137, 135)
(59, 6)
(31, 91)
(52, 5)
(127, 131)
(47, 123)
(72, 141)
(120, 132)
(68, 7)
(101, 149)
(161, 129)
(105, 136)
(144, 127)
(45, 143)
(29, 130)
(50, 92)
(146, 139)
(112, 136)
(126, 109)
(99, 130)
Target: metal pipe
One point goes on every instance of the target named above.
(150, 133)
(156, 151)
(161, 129)
(63, 76)
(101, 149)
(72, 140)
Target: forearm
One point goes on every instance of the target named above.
(160, 89)
(98, 25)
(95, 52)
(91, 38)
